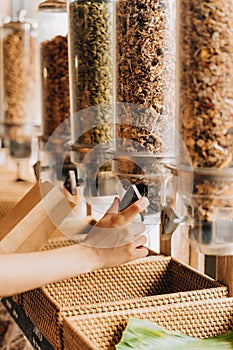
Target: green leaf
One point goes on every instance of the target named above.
(145, 335)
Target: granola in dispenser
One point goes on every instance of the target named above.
(205, 66)
(206, 81)
(145, 58)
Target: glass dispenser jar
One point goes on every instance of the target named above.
(145, 72)
(145, 95)
(91, 67)
(20, 114)
(55, 93)
(205, 118)
(52, 35)
(91, 62)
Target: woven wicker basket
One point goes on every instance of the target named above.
(103, 331)
(147, 282)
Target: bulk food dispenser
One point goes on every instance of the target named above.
(52, 36)
(145, 94)
(91, 58)
(20, 111)
(54, 77)
(205, 119)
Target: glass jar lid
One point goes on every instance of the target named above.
(52, 4)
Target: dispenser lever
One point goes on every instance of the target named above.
(131, 195)
(168, 221)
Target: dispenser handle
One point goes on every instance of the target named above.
(168, 222)
(131, 195)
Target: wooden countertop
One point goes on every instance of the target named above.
(10, 189)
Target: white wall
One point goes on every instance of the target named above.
(5, 7)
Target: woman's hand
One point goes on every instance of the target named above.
(116, 239)
(113, 218)
(113, 241)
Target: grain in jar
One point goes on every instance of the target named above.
(53, 30)
(19, 72)
(20, 117)
(91, 67)
(205, 116)
(205, 88)
(145, 72)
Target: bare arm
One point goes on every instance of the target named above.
(21, 272)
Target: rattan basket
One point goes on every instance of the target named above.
(201, 319)
(147, 282)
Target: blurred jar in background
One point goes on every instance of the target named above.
(53, 28)
(55, 95)
(20, 110)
